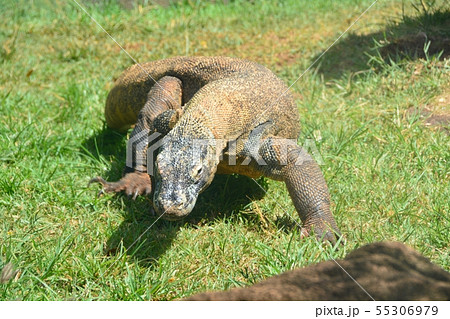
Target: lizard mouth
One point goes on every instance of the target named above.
(173, 218)
(173, 215)
(173, 211)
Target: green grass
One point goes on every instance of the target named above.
(387, 171)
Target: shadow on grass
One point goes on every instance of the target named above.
(145, 238)
(141, 234)
(112, 145)
(405, 38)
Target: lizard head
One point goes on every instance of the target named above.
(184, 168)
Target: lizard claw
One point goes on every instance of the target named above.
(323, 233)
(97, 179)
(133, 184)
(304, 233)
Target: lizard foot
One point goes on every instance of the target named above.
(133, 184)
(322, 232)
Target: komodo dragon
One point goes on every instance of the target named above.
(240, 105)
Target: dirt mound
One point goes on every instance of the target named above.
(387, 271)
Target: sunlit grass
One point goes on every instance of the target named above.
(387, 171)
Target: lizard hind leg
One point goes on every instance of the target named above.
(164, 122)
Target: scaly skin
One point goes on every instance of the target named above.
(240, 105)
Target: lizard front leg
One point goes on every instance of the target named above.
(283, 159)
(160, 112)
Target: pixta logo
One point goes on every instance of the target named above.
(142, 149)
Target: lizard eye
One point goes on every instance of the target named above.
(197, 172)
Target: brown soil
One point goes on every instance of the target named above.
(387, 271)
(435, 114)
